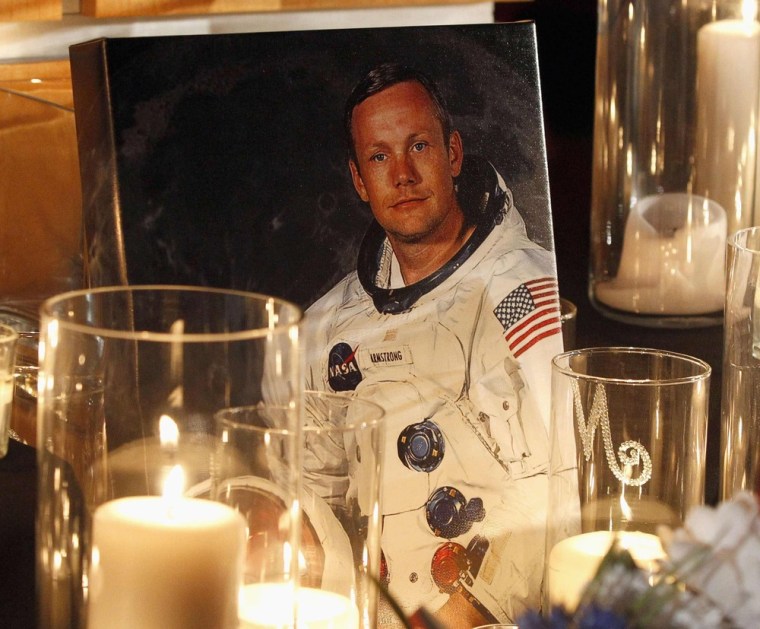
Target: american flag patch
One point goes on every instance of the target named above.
(530, 313)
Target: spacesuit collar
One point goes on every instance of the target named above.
(484, 199)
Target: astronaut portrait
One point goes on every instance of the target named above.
(393, 183)
(449, 322)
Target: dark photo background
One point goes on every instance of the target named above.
(230, 166)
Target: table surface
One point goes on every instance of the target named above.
(566, 32)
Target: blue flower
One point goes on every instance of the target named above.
(591, 617)
(558, 619)
(594, 617)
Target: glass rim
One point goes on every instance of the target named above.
(47, 312)
(704, 374)
(567, 315)
(361, 423)
(738, 240)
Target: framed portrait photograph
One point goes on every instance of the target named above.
(393, 183)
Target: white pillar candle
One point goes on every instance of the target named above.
(573, 562)
(270, 606)
(727, 90)
(165, 564)
(672, 260)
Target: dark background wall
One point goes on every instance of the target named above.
(566, 32)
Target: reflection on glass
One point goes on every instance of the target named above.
(40, 197)
(40, 211)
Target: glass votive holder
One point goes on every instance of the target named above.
(740, 427)
(256, 472)
(23, 421)
(675, 155)
(340, 479)
(638, 419)
(8, 341)
(344, 450)
(24, 416)
(130, 379)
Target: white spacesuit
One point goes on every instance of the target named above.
(461, 363)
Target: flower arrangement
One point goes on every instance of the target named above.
(710, 579)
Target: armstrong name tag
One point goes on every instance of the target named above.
(389, 355)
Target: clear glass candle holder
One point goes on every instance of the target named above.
(129, 382)
(740, 403)
(341, 447)
(23, 420)
(675, 155)
(638, 420)
(8, 342)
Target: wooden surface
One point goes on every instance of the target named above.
(35, 69)
(134, 8)
(40, 197)
(31, 10)
(45, 80)
(22, 10)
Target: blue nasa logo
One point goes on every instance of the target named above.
(342, 369)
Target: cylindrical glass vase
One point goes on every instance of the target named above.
(339, 559)
(740, 403)
(8, 343)
(674, 165)
(637, 418)
(130, 380)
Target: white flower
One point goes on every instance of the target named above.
(717, 553)
(624, 589)
(686, 611)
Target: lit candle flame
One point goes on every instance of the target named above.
(174, 484)
(749, 11)
(176, 360)
(287, 558)
(625, 508)
(168, 432)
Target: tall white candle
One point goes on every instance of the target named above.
(728, 86)
(270, 606)
(573, 562)
(165, 564)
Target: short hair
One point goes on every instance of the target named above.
(382, 77)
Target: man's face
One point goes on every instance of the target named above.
(405, 167)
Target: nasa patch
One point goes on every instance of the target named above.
(342, 369)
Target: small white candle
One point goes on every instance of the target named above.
(672, 260)
(165, 564)
(727, 90)
(573, 562)
(270, 606)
